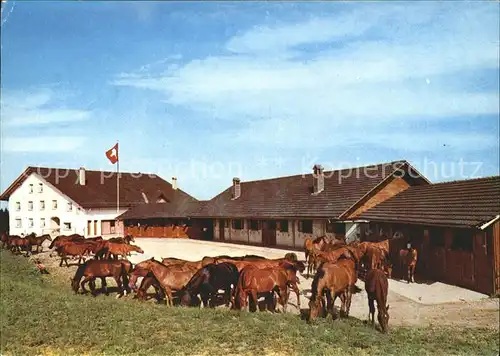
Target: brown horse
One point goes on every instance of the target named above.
(262, 263)
(207, 281)
(255, 280)
(127, 239)
(73, 249)
(118, 249)
(407, 262)
(19, 244)
(61, 239)
(118, 269)
(337, 279)
(171, 278)
(375, 257)
(38, 241)
(376, 287)
(311, 245)
(5, 239)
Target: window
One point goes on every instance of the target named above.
(40, 188)
(42, 204)
(238, 224)
(283, 225)
(54, 204)
(69, 206)
(254, 224)
(335, 227)
(18, 206)
(30, 206)
(19, 223)
(42, 222)
(112, 223)
(31, 189)
(462, 240)
(306, 226)
(30, 222)
(436, 237)
(67, 226)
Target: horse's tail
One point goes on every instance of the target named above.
(237, 292)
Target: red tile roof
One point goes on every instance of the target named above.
(466, 203)
(286, 197)
(99, 190)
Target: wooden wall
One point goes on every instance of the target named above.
(166, 228)
(473, 268)
(394, 187)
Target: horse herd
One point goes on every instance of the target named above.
(242, 279)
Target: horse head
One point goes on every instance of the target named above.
(383, 318)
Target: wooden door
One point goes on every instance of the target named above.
(269, 233)
(221, 229)
(89, 226)
(95, 228)
(483, 267)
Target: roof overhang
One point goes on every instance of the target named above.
(492, 221)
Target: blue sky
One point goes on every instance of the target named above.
(209, 91)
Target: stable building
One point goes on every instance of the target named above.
(455, 227)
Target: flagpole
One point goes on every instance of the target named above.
(117, 180)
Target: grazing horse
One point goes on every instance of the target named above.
(407, 262)
(141, 270)
(337, 280)
(119, 249)
(255, 281)
(73, 249)
(263, 263)
(38, 241)
(171, 278)
(118, 269)
(207, 281)
(61, 239)
(376, 287)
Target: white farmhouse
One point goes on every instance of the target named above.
(60, 201)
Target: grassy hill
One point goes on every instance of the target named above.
(40, 315)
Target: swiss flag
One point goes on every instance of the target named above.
(112, 154)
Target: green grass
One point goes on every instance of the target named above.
(40, 315)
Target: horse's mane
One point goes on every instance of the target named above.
(314, 286)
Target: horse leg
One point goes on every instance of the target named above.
(92, 286)
(169, 298)
(297, 292)
(104, 286)
(284, 297)
(253, 293)
(227, 296)
(348, 301)
(371, 310)
(119, 285)
(82, 284)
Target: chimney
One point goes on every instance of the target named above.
(81, 176)
(318, 179)
(236, 188)
(174, 183)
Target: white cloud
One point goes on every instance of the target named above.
(363, 67)
(42, 144)
(37, 107)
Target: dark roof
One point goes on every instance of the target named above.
(466, 203)
(99, 190)
(292, 196)
(179, 209)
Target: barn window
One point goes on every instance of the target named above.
(67, 226)
(30, 222)
(335, 227)
(238, 224)
(31, 189)
(306, 226)
(30, 206)
(436, 237)
(54, 204)
(42, 222)
(283, 225)
(18, 206)
(69, 206)
(19, 223)
(40, 187)
(42, 204)
(254, 224)
(462, 240)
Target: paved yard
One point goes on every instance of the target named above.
(410, 304)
